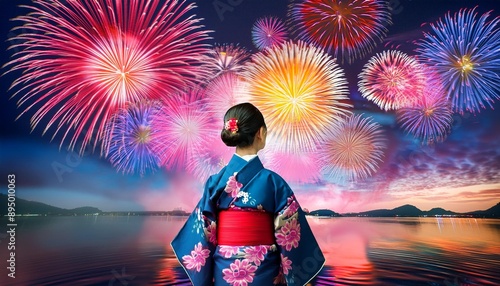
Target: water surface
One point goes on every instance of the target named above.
(135, 250)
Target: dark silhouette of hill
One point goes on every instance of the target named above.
(324, 212)
(412, 211)
(31, 207)
(494, 211)
(439, 211)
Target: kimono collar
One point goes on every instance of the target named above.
(246, 170)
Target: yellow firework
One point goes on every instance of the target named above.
(300, 90)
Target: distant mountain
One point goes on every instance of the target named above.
(324, 212)
(412, 211)
(31, 207)
(494, 211)
(439, 211)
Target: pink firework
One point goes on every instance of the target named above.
(225, 91)
(392, 80)
(210, 157)
(430, 118)
(353, 150)
(296, 167)
(347, 28)
(268, 31)
(182, 127)
(227, 58)
(84, 60)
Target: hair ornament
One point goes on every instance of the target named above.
(232, 125)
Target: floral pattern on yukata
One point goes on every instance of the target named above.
(211, 232)
(247, 260)
(287, 233)
(197, 258)
(233, 188)
(240, 272)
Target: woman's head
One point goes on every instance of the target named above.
(241, 123)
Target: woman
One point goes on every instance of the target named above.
(248, 228)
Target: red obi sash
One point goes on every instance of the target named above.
(237, 228)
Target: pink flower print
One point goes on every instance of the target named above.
(228, 251)
(292, 208)
(211, 233)
(239, 273)
(286, 264)
(289, 235)
(255, 254)
(197, 258)
(232, 186)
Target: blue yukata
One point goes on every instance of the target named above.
(292, 257)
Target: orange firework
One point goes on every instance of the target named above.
(300, 91)
(353, 150)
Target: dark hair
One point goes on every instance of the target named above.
(250, 120)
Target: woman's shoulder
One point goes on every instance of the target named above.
(275, 177)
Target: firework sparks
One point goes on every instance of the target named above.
(353, 149)
(268, 31)
(464, 51)
(84, 60)
(182, 127)
(392, 80)
(228, 58)
(350, 29)
(130, 139)
(294, 167)
(430, 117)
(300, 91)
(210, 158)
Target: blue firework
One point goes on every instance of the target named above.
(464, 49)
(131, 138)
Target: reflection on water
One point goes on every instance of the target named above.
(359, 251)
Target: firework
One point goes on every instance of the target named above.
(349, 29)
(82, 61)
(210, 158)
(430, 117)
(392, 80)
(268, 31)
(464, 51)
(131, 138)
(182, 127)
(227, 58)
(353, 150)
(224, 92)
(300, 90)
(294, 167)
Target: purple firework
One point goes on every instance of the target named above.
(227, 58)
(268, 31)
(430, 118)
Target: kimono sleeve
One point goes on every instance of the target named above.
(195, 243)
(301, 257)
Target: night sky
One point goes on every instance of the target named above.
(460, 174)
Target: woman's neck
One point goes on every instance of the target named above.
(246, 151)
